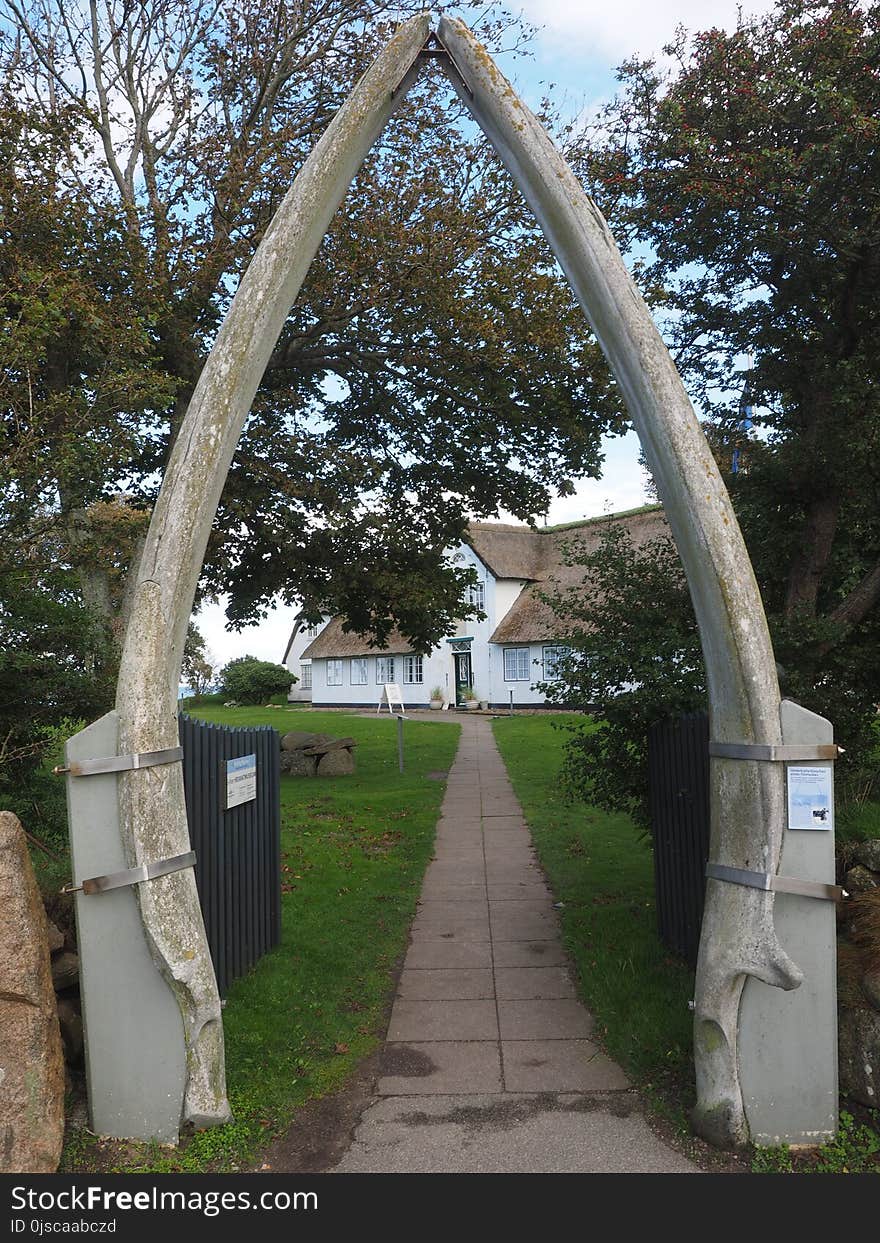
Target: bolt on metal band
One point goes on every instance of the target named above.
(133, 876)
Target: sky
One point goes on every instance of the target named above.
(578, 46)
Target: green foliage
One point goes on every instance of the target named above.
(854, 1150)
(433, 339)
(636, 659)
(251, 681)
(747, 171)
(54, 664)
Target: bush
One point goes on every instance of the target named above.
(251, 681)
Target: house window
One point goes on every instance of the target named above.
(305, 676)
(516, 664)
(412, 669)
(384, 669)
(553, 658)
(476, 595)
(334, 672)
(311, 632)
(359, 671)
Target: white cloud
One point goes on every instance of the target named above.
(624, 27)
(266, 640)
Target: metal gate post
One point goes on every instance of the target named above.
(134, 1045)
(788, 1040)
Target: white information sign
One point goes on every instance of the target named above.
(241, 780)
(810, 797)
(391, 695)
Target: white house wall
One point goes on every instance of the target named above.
(438, 668)
(294, 662)
(349, 694)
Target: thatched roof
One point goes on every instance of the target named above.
(334, 642)
(508, 551)
(530, 620)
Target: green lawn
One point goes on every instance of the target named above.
(354, 850)
(602, 870)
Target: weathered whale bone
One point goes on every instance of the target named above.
(738, 932)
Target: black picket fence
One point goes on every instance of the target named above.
(678, 774)
(238, 849)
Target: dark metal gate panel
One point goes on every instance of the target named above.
(238, 852)
(678, 774)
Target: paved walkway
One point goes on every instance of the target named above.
(488, 1064)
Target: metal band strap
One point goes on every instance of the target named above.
(775, 884)
(133, 876)
(791, 754)
(121, 763)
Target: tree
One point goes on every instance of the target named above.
(635, 659)
(751, 171)
(251, 681)
(435, 367)
(198, 663)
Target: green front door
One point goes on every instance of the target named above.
(464, 678)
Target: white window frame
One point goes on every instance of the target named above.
(550, 656)
(413, 670)
(517, 664)
(305, 675)
(334, 672)
(476, 595)
(311, 632)
(384, 670)
(359, 665)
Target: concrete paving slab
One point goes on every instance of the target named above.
(510, 873)
(541, 907)
(439, 1067)
(446, 984)
(544, 1020)
(421, 1021)
(449, 929)
(528, 953)
(559, 1066)
(530, 983)
(476, 904)
(438, 890)
(514, 1134)
(514, 925)
(432, 954)
(518, 891)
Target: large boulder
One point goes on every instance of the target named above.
(859, 1053)
(297, 764)
(31, 1060)
(298, 740)
(859, 880)
(338, 763)
(868, 854)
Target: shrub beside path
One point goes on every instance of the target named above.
(488, 1065)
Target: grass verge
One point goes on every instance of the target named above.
(354, 850)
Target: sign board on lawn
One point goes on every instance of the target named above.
(391, 695)
(241, 781)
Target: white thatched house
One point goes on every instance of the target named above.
(500, 659)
